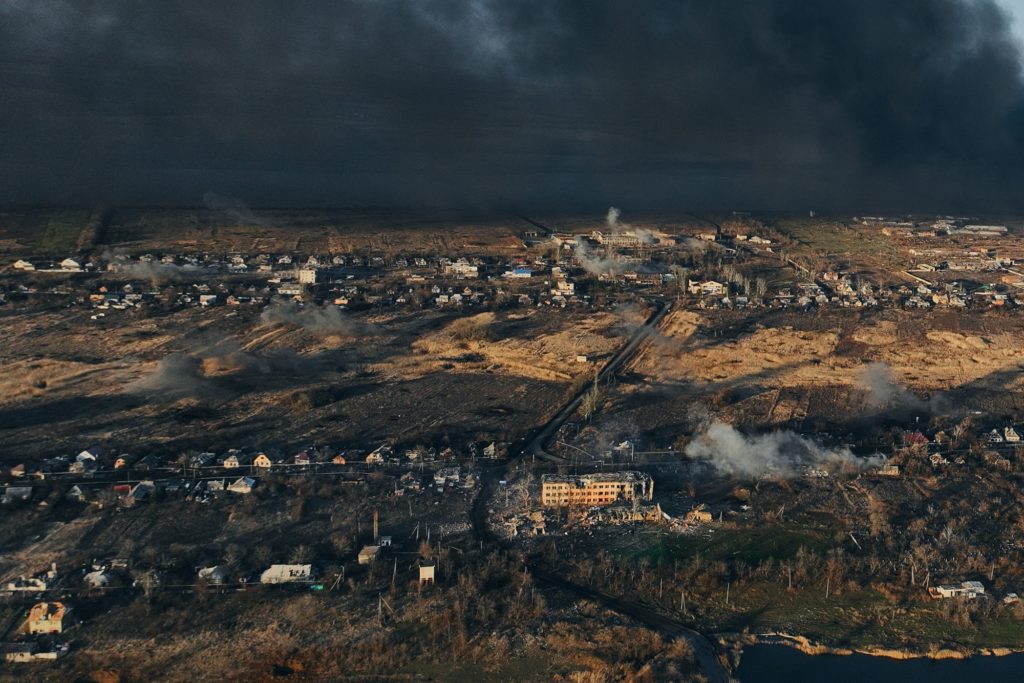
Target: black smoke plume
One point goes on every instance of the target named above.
(769, 103)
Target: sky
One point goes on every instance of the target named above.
(648, 104)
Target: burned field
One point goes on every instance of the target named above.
(195, 379)
(247, 393)
(845, 373)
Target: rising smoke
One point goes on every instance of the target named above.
(224, 368)
(595, 262)
(162, 273)
(779, 454)
(235, 210)
(325, 320)
(884, 393)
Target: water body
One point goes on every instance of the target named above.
(781, 664)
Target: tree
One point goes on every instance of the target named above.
(301, 554)
(591, 400)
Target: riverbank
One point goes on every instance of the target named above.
(786, 664)
(738, 642)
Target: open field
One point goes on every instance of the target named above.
(54, 232)
(71, 381)
(813, 371)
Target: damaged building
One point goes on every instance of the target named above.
(595, 489)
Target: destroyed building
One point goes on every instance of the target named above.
(625, 513)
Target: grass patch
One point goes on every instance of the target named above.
(59, 233)
(746, 545)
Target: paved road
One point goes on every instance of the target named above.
(703, 648)
(623, 355)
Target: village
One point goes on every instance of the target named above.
(731, 420)
(731, 265)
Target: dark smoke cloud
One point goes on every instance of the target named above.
(773, 103)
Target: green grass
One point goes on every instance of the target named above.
(833, 237)
(1002, 631)
(59, 233)
(746, 545)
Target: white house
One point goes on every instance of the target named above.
(966, 589)
(242, 485)
(287, 573)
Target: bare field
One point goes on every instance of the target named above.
(810, 372)
(54, 232)
(207, 379)
(312, 231)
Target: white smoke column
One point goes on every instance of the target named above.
(782, 454)
(612, 219)
(163, 273)
(232, 208)
(614, 227)
(328, 320)
(595, 264)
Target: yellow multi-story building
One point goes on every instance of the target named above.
(594, 489)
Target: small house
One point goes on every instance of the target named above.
(889, 470)
(427, 568)
(19, 652)
(242, 485)
(97, 579)
(124, 460)
(966, 589)
(216, 575)
(236, 460)
(287, 573)
(140, 492)
(78, 493)
(369, 554)
(1011, 435)
(699, 515)
(262, 461)
(47, 618)
(16, 494)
